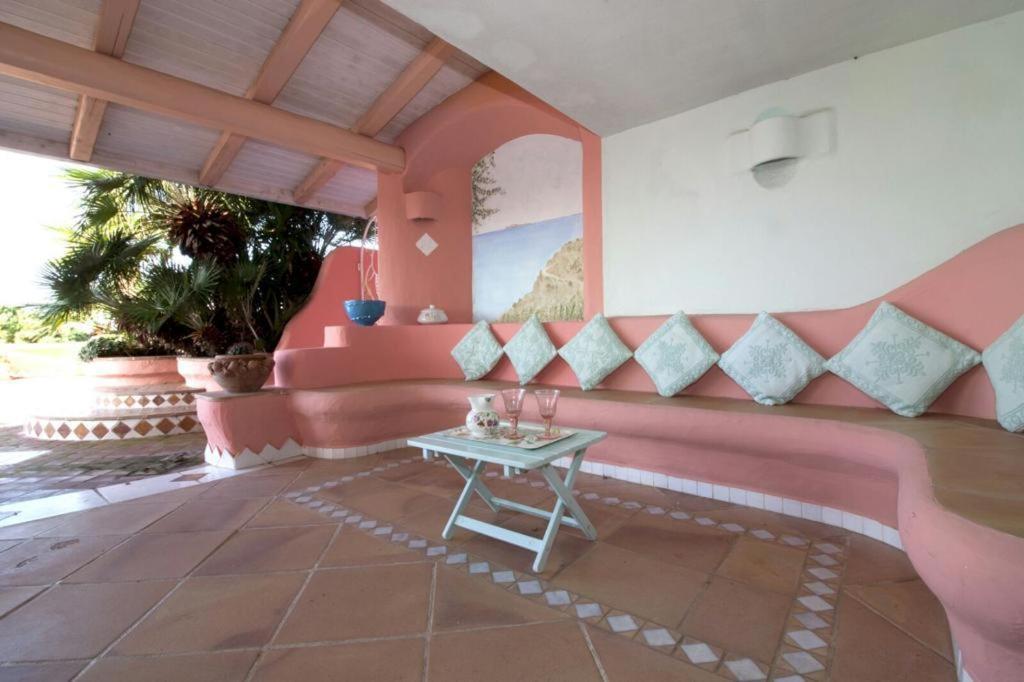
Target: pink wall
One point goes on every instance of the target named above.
(968, 297)
(338, 281)
(441, 149)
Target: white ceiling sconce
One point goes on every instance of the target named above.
(772, 147)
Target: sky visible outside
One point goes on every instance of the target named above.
(33, 198)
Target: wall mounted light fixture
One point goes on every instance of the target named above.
(771, 148)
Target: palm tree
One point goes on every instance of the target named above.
(188, 269)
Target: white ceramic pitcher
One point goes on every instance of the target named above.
(482, 420)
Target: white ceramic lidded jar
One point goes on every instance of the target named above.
(482, 421)
(432, 315)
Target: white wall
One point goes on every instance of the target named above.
(929, 159)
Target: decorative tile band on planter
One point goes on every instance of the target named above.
(124, 426)
(140, 371)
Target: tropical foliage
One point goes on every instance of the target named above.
(176, 268)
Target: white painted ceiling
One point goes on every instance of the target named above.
(616, 64)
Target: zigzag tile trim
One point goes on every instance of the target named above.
(247, 458)
(747, 498)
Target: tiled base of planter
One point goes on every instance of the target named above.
(747, 498)
(134, 397)
(114, 425)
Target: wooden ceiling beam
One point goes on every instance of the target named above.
(296, 40)
(397, 95)
(115, 23)
(31, 57)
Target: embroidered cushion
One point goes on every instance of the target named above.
(530, 350)
(902, 362)
(478, 351)
(771, 363)
(1004, 363)
(595, 352)
(675, 355)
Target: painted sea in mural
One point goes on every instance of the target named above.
(506, 263)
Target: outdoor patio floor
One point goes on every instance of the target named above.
(335, 570)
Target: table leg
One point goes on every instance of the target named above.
(563, 491)
(467, 494)
(461, 466)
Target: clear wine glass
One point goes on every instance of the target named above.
(547, 403)
(513, 399)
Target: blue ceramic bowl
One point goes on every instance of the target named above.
(364, 313)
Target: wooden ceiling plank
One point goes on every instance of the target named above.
(397, 95)
(295, 41)
(38, 59)
(112, 30)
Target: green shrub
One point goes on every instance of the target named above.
(242, 348)
(110, 346)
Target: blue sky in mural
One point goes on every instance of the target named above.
(506, 262)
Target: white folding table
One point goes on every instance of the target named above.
(469, 458)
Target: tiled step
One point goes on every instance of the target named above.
(134, 397)
(115, 424)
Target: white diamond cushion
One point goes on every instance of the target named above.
(1004, 363)
(595, 352)
(675, 355)
(478, 351)
(771, 363)
(902, 362)
(530, 350)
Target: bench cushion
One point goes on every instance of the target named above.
(675, 355)
(595, 352)
(478, 352)
(530, 350)
(1004, 363)
(901, 362)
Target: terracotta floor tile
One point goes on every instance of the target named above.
(263, 550)
(625, 660)
(210, 613)
(605, 518)
(464, 601)
(430, 521)
(868, 647)
(910, 606)
(740, 618)
(286, 513)
(777, 523)
(13, 597)
(228, 666)
(871, 561)
(680, 543)
(377, 601)
(634, 583)
(355, 548)
(392, 503)
(399, 660)
(151, 556)
(431, 479)
(355, 488)
(208, 514)
(550, 651)
(568, 547)
(7, 544)
(251, 485)
(765, 565)
(41, 672)
(76, 621)
(123, 518)
(46, 560)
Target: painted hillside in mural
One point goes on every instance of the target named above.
(528, 231)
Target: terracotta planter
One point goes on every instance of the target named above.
(141, 371)
(242, 373)
(196, 372)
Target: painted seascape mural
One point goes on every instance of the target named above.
(528, 231)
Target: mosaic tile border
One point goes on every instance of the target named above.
(111, 427)
(747, 498)
(807, 643)
(142, 399)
